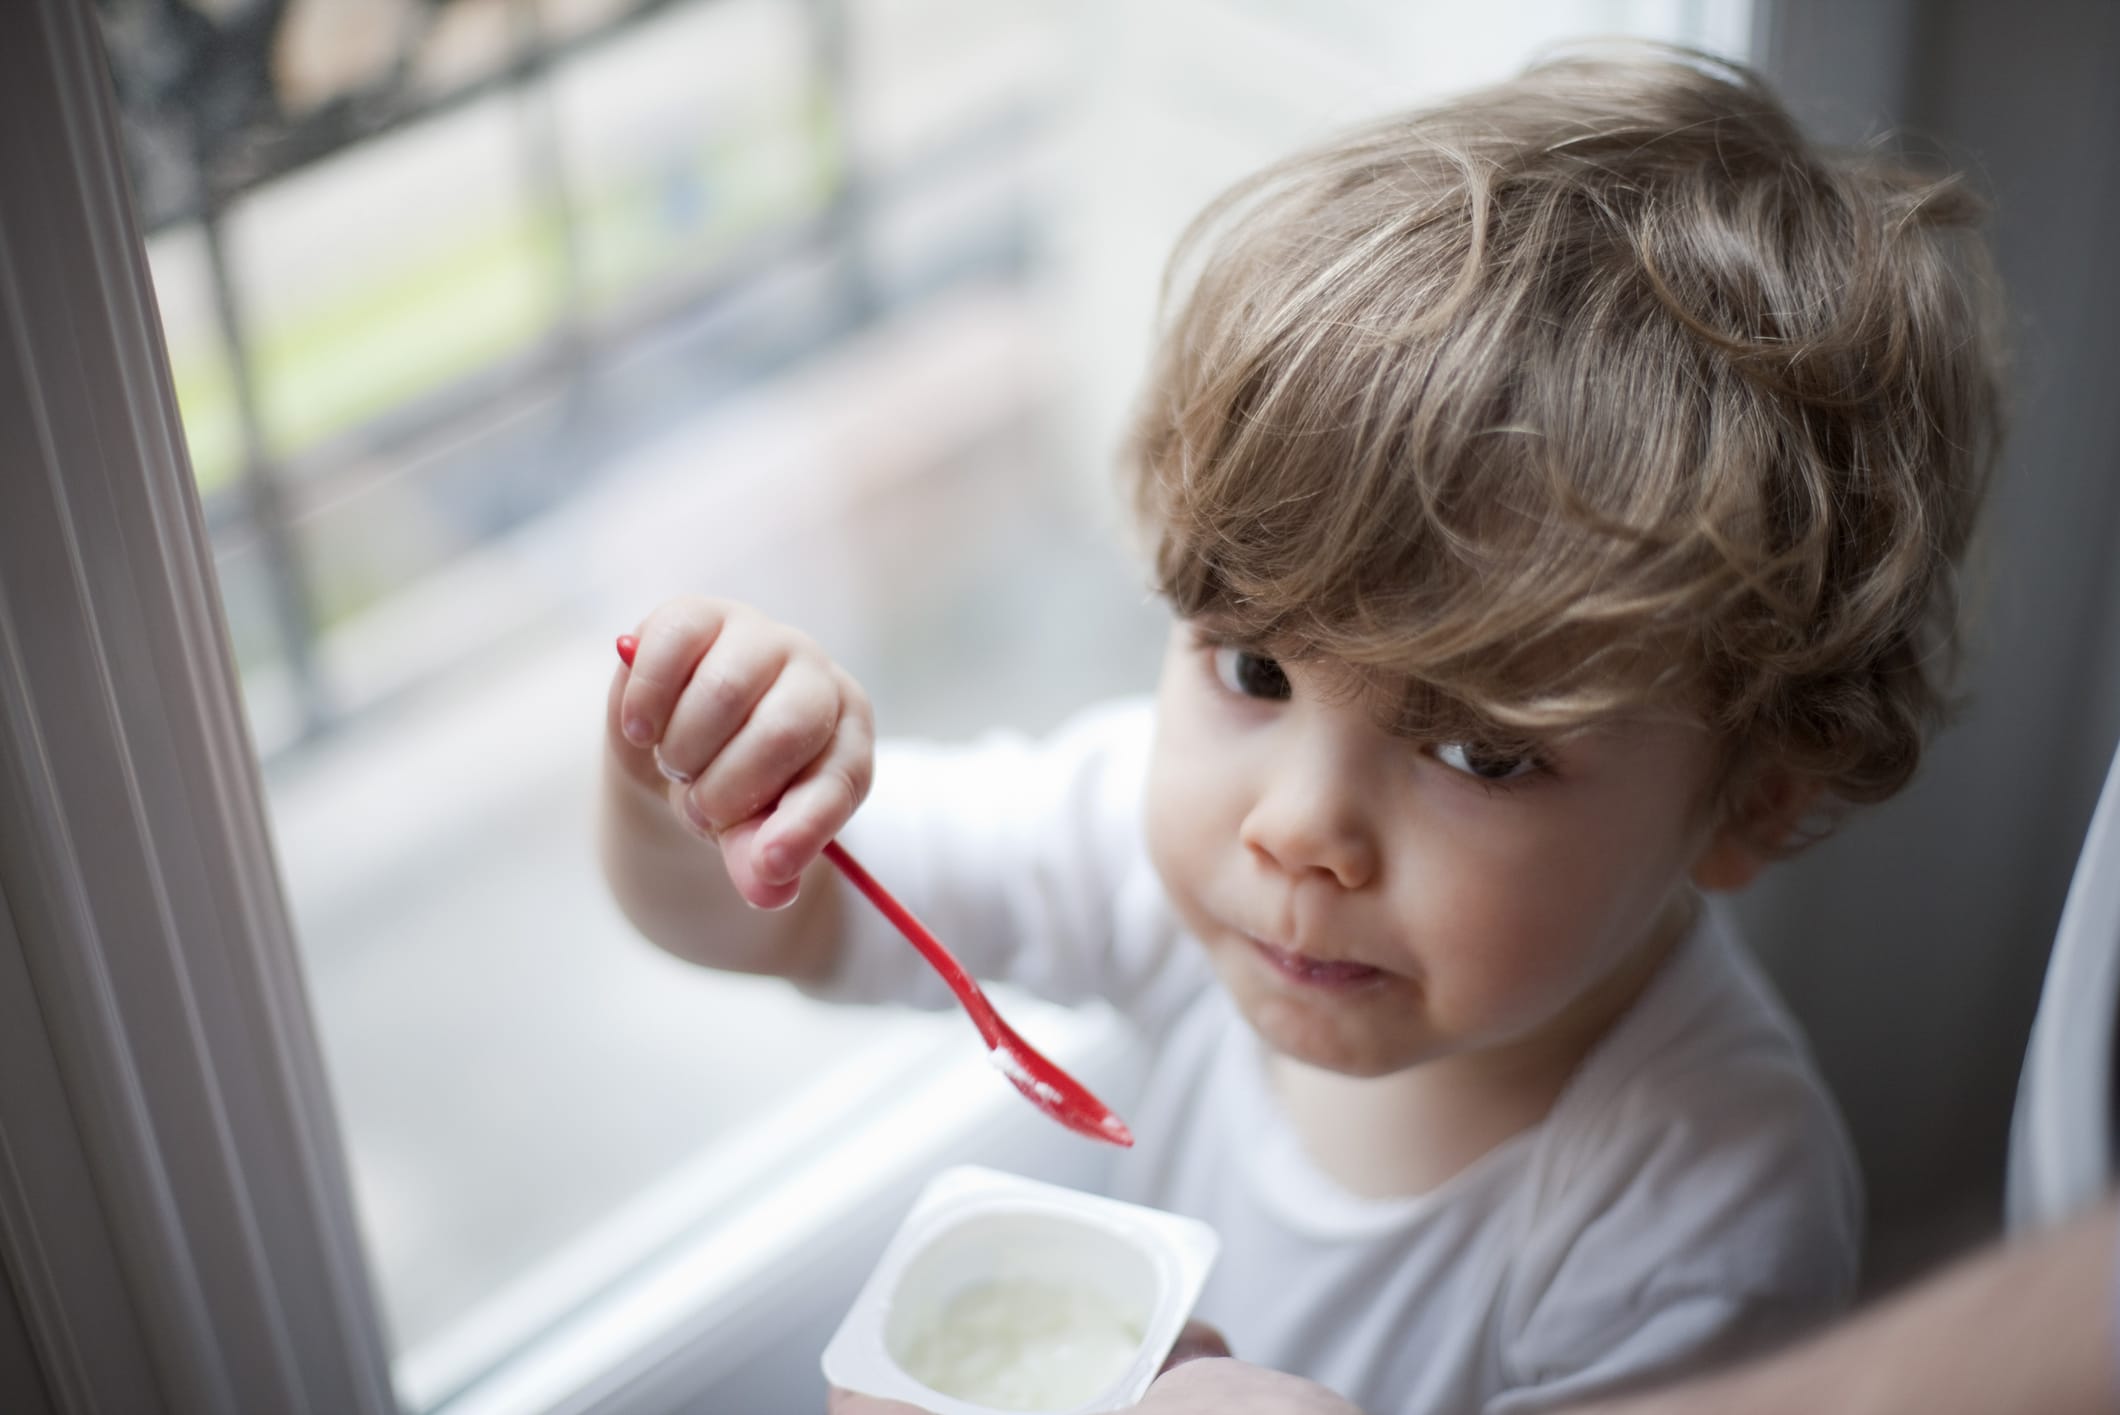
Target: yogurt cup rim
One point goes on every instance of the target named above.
(1179, 1251)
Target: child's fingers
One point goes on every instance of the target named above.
(787, 728)
(726, 688)
(740, 855)
(818, 804)
(1197, 1341)
(672, 641)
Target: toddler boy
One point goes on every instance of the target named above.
(1558, 492)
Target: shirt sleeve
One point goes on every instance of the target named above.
(1026, 858)
(1690, 1226)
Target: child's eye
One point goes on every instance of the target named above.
(1249, 675)
(1483, 762)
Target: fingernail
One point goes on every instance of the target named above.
(776, 863)
(699, 820)
(636, 730)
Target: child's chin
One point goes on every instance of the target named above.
(1302, 1039)
(1317, 1034)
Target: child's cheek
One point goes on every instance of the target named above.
(1491, 962)
(1179, 817)
(1509, 923)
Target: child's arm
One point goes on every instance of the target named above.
(779, 745)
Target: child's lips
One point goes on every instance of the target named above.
(1335, 974)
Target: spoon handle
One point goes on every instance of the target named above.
(916, 933)
(1037, 1076)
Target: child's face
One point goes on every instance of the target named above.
(1372, 902)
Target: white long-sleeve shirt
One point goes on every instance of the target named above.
(1691, 1195)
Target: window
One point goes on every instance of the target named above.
(491, 324)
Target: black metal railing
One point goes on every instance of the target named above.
(205, 124)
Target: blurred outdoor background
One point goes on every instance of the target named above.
(495, 322)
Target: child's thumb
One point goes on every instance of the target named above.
(739, 853)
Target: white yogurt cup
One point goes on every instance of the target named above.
(1030, 1268)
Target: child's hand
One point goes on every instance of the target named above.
(761, 743)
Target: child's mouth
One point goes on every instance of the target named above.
(1312, 972)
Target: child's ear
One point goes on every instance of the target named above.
(1753, 833)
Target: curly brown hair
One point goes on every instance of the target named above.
(1600, 389)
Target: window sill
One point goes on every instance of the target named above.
(736, 1284)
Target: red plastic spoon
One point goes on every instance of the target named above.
(1045, 1085)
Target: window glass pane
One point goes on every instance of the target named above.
(198, 356)
(551, 311)
(256, 629)
(391, 270)
(685, 138)
(926, 74)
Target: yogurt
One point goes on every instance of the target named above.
(1023, 1344)
(1000, 1293)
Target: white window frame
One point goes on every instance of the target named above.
(175, 1221)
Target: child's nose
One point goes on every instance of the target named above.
(1305, 823)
